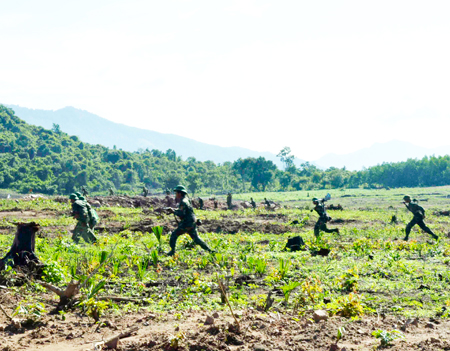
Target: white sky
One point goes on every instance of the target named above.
(318, 76)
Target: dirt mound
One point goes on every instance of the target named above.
(442, 213)
(233, 226)
(340, 220)
(337, 207)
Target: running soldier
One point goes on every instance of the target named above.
(81, 213)
(419, 215)
(188, 223)
(321, 225)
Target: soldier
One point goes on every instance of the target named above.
(319, 207)
(229, 201)
(200, 203)
(84, 191)
(419, 215)
(267, 202)
(111, 191)
(81, 213)
(145, 191)
(188, 223)
(93, 217)
(253, 203)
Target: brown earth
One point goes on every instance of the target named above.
(225, 226)
(257, 331)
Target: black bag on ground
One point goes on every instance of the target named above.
(295, 244)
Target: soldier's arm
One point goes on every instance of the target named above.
(180, 212)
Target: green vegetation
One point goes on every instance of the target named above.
(52, 162)
(368, 271)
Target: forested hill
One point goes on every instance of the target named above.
(97, 130)
(50, 161)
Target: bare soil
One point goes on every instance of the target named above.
(257, 331)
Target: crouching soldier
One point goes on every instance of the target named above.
(319, 207)
(81, 213)
(188, 223)
(419, 215)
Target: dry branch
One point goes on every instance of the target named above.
(113, 342)
(222, 288)
(119, 299)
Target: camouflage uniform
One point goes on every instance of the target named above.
(82, 229)
(321, 224)
(93, 217)
(111, 191)
(84, 191)
(187, 225)
(145, 191)
(253, 203)
(419, 215)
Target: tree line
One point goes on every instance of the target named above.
(53, 162)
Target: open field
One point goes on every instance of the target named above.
(370, 280)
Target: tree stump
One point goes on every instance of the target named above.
(22, 249)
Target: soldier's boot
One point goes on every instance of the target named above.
(406, 237)
(337, 231)
(434, 236)
(172, 243)
(75, 238)
(90, 236)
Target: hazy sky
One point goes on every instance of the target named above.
(318, 76)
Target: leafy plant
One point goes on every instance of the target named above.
(95, 308)
(340, 333)
(53, 273)
(347, 306)
(31, 311)
(283, 267)
(158, 230)
(155, 257)
(260, 266)
(387, 337)
(287, 289)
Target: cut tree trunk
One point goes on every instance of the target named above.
(22, 249)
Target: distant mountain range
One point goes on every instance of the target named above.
(392, 151)
(97, 130)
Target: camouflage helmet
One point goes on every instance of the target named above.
(315, 199)
(81, 198)
(407, 197)
(78, 194)
(73, 196)
(180, 188)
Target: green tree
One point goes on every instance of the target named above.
(286, 157)
(194, 181)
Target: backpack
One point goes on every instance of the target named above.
(93, 218)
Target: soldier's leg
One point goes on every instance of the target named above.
(193, 233)
(86, 233)
(324, 228)
(90, 235)
(409, 227)
(173, 239)
(423, 226)
(77, 233)
(317, 228)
